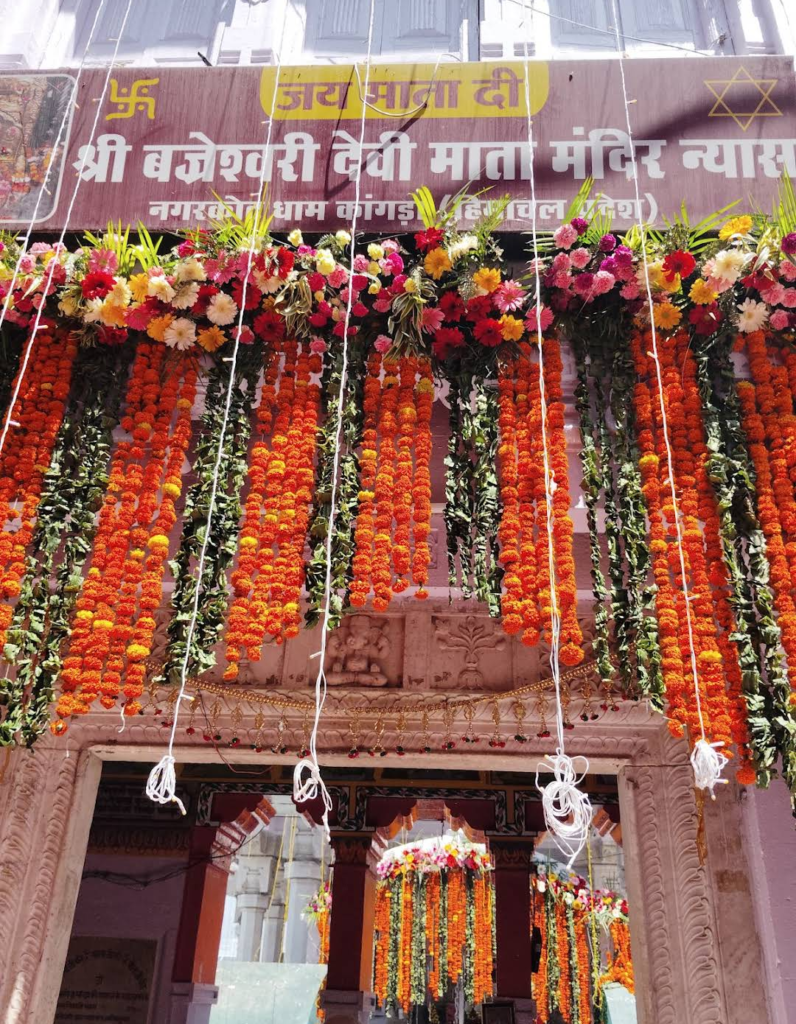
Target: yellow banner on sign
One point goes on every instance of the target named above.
(446, 90)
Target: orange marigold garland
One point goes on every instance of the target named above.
(717, 582)
(421, 486)
(114, 625)
(381, 928)
(38, 411)
(362, 562)
(523, 531)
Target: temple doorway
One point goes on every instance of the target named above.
(439, 899)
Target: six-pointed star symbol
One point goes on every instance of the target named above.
(745, 91)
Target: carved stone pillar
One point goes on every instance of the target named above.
(513, 925)
(47, 801)
(347, 998)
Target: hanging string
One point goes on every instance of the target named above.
(160, 785)
(64, 121)
(259, 953)
(9, 421)
(706, 758)
(307, 782)
(567, 809)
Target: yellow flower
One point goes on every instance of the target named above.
(156, 329)
(701, 293)
(437, 262)
(111, 315)
(139, 284)
(511, 328)
(375, 251)
(736, 226)
(410, 287)
(667, 316)
(211, 338)
(658, 279)
(487, 278)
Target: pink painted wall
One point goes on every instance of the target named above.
(771, 845)
(107, 910)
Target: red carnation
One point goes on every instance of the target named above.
(479, 307)
(269, 326)
(452, 306)
(285, 259)
(427, 239)
(253, 295)
(706, 319)
(111, 335)
(206, 293)
(97, 284)
(488, 332)
(678, 262)
(446, 340)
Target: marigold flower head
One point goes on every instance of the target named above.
(511, 328)
(667, 316)
(487, 279)
(701, 293)
(736, 226)
(437, 263)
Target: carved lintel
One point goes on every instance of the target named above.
(511, 856)
(471, 637)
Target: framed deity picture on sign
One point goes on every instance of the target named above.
(497, 1013)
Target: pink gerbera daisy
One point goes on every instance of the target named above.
(509, 296)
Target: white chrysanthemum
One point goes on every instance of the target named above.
(324, 261)
(266, 282)
(186, 295)
(463, 245)
(180, 334)
(753, 315)
(67, 305)
(295, 237)
(120, 294)
(190, 270)
(93, 310)
(160, 288)
(728, 264)
(343, 237)
(222, 309)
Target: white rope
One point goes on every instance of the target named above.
(161, 783)
(307, 781)
(567, 810)
(53, 262)
(707, 762)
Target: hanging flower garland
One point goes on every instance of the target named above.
(439, 305)
(434, 924)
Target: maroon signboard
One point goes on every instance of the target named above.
(172, 148)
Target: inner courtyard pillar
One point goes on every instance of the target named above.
(347, 998)
(513, 925)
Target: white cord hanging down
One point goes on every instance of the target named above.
(707, 762)
(51, 268)
(64, 121)
(307, 781)
(161, 785)
(567, 809)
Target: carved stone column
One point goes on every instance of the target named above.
(47, 805)
(347, 998)
(513, 925)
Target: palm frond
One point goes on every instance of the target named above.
(425, 205)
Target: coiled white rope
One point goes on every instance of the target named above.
(161, 785)
(567, 809)
(9, 420)
(706, 759)
(307, 781)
